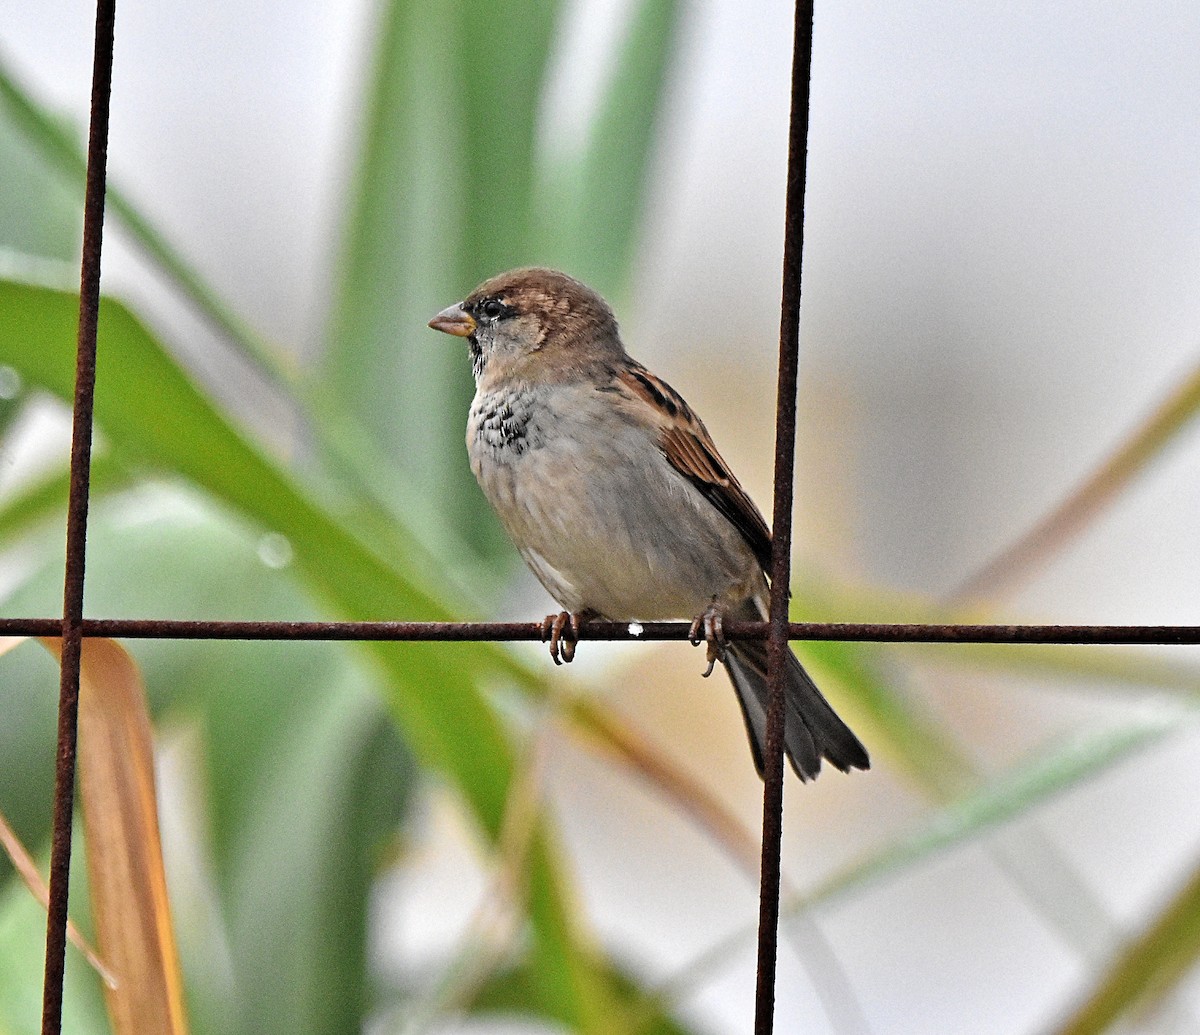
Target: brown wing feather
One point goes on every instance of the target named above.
(688, 447)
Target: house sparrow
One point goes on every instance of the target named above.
(614, 493)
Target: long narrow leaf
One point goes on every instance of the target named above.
(1059, 527)
(1125, 669)
(62, 149)
(825, 600)
(441, 199)
(341, 436)
(910, 732)
(1014, 794)
(154, 416)
(40, 213)
(592, 203)
(46, 497)
(1148, 968)
(966, 820)
(124, 851)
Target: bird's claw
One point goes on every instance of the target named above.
(708, 628)
(562, 630)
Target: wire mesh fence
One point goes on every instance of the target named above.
(73, 627)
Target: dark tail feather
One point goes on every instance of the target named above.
(813, 730)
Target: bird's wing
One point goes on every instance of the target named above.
(688, 447)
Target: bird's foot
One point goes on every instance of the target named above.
(708, 628)
(562, 630)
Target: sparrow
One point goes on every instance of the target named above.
(613, 492)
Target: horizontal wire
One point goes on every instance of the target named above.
(873, 632)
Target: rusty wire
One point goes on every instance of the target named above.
(73, 627)
(513, 632)
(781, 523)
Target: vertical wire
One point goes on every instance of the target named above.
(781, 524)
(77, 508)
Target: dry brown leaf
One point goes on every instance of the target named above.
(124, 853)
(27, 869)
(1052, 533)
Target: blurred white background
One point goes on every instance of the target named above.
(1001, 260)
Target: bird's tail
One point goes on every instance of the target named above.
(813, 730)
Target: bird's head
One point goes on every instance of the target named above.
(533, 324)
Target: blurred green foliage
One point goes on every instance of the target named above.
(307, 753)
(306, 775)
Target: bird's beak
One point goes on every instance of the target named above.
(454, 320)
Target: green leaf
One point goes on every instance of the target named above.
(512, 992)
(28, 702)
(338, 432)
(60, 150)
(441, 200)
(593, 202)
(1129, 669)
(44, 499)
(1014, 794)
(153, 415)
(302, 880)
(40, 212)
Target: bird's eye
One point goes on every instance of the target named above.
(492, 308)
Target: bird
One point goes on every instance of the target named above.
(612, 490)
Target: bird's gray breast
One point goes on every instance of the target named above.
(598, 513)
(505, 424)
